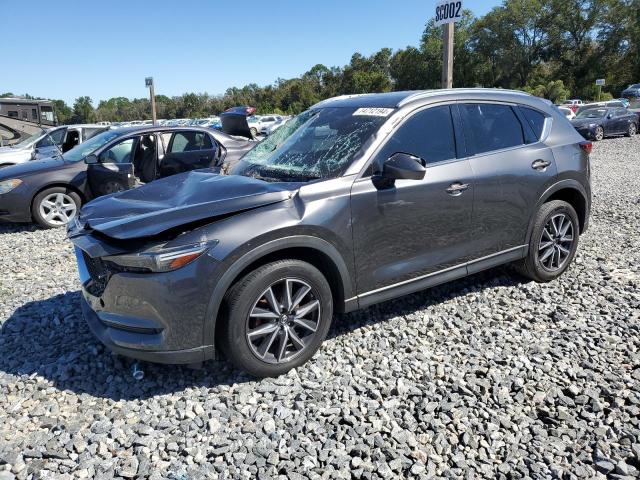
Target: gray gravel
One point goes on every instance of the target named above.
(485, 377)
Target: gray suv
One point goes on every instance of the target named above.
(358, 200)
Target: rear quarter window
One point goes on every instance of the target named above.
(535, 119)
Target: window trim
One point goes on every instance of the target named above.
(398, 123)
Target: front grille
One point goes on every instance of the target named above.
(99, 273)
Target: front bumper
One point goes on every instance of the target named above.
(15, 206)
(157, 317)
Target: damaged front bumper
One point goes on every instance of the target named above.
(158, 317)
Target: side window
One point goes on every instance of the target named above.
(535, 119)
(190, 141)
(490, 127)
(34, 114)
(119, 153)
(13, 113)
(58, 135)
(621, 112)
(427, 134)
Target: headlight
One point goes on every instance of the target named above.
(162, 259)
(7, 185)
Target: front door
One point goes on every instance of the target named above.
(50, 145)
(414, 228)
(114, 170)
(187, 150)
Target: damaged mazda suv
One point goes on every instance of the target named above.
(356, 201)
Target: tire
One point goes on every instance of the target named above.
(535, 266)
(254, 132)
(63, 202)
(248, 309)
(632, 130)
(599, 134)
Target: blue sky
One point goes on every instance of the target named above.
(105, 49)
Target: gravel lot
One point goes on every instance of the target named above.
(485, 377)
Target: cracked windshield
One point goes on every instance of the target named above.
(317, 144)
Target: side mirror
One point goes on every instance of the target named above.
(610, 116)
(402, 166)
(91, 159)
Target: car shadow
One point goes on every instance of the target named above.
(9, 227)
(48, 340)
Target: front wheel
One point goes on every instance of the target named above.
(254, 132)
(553, 242)
(55, 207)
(277, 317)
(632, 130)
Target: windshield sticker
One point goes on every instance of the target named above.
(373, 112)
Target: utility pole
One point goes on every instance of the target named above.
(149, 83)
(447, 56)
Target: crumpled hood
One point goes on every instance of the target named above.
(33, 166)
(178, 200)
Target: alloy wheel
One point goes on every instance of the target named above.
(556, 241)
(283, 321)
(57, 209)
(599, 133)
(632, 129)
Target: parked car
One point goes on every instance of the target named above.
(573, 104)
(567, 112)
(625, 102)
(48, 143)
(269, 130)
(596, 123)
(632, 94)
(51, 191)
(267, 121)
(346, 205)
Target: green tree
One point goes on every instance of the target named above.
(83, 111)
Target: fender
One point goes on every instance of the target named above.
(248, 258)
(556, 187)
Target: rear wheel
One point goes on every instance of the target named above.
(55, 207)
(599, 134)
(553, 243)
(277, 317)
(633, 129)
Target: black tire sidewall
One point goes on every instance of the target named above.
(547, 211)
(241, 299)
(595, 136)
(35, 206)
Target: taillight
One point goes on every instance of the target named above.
(586, 146)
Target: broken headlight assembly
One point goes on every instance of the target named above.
(160, 259)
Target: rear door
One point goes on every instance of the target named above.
(114, 170)
(187, 150)
(512, 168)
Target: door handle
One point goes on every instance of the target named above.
(540, 165)
(456, 189)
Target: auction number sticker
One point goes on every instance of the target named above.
(373, 112)
(448, 12)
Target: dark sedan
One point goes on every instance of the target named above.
(51, 191)
(599, 122)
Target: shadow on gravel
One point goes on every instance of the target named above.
(8, 227)
(48, 340)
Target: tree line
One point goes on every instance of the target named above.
(550, 48)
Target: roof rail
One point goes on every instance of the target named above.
(450, 91)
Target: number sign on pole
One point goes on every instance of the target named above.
(447, 14)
